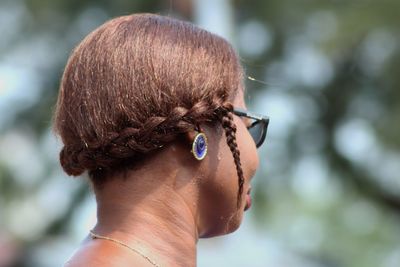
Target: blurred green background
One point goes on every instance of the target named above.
(328, 190)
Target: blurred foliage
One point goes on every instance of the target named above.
(328, 186)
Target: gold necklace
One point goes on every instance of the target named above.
(94, 236)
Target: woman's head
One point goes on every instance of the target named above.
(141, 82)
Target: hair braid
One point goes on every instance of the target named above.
(226, 118)
(127, 145)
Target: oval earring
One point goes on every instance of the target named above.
(199, 146)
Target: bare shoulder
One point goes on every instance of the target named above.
(104, 254)
(89, 255)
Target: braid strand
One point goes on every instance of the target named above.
(226, 118)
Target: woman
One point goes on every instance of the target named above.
(153, 109)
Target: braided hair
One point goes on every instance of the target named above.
(135, 84)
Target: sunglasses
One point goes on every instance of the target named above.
(258, 129)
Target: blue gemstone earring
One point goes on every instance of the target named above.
(199, 146)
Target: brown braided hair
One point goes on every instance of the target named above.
(135, 84)
(226, 119)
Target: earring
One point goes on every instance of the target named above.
(199, 146)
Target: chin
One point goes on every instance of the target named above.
(224, 225)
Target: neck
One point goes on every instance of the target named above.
(153, 211)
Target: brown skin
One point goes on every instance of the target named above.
(180, 200)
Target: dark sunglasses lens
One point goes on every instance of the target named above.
(256, 131)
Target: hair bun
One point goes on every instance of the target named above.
(69, 163)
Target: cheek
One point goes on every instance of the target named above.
(248, 150)
(225, 179)
(219, 194)
(220, 186)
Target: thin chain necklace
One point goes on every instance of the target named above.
(94, 236)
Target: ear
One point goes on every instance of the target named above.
(192, 133)
(189, 136)
(211, 132)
